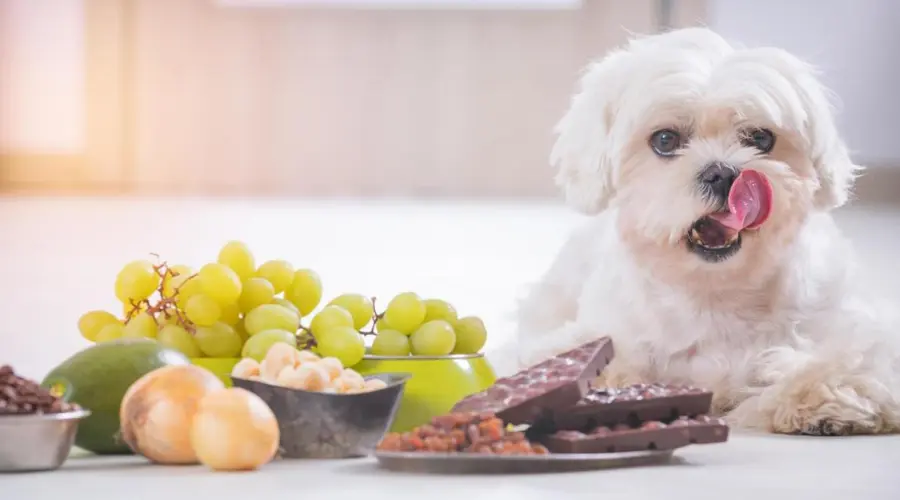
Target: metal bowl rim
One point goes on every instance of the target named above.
(45, 417)
(450, 357)
(402, 378)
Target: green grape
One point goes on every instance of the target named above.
(112, 331)
(255, 292)
(186, 288)
(238, 257)
(286, 303)
(231, 314)
(136, 281)
(359, 306)
(405, 312)
(177, 275)
(328, 318)
(439, 309)
(218, 341)
(390, 343)
(305, 291)
(202, 310)
(382, 325)
(142, 325)
(470, 335)
(435, 338)
(220, 283)
(271, 317)
(90, 323)
(258, 345)
(176, 337)
(343, 343)
(280, 273)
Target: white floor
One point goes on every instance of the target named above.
(59, 257)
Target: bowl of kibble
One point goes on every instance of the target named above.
(323, 409)
(37, 428)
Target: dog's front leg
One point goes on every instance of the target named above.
(824, 393)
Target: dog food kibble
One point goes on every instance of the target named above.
(463, 433)
(20, 396)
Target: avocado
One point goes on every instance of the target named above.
(97, 378)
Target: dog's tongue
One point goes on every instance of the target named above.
(749, 202)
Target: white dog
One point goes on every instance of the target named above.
(710, 257)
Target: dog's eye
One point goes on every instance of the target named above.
(760, 138)
(665, 142)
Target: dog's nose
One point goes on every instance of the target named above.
(717, 178)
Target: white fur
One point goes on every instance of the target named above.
(781, 331)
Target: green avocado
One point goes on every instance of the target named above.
(97, 379)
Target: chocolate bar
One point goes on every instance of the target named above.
(634, 404)
(648, 436)
(536, 393)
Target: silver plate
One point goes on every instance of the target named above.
(464, 463)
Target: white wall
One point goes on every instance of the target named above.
(41, 76)
(857, 45)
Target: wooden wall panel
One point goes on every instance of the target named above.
(314, 102)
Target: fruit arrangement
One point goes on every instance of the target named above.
(287, 366)
(233, 308)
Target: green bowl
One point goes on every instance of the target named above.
(220, 367)
(436, 384)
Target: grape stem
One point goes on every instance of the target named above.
(307, 339)
(164, 305)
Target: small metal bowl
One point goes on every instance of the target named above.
(323, 425)
(31, 443)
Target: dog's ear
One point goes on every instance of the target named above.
(831, 159)
(584, 150)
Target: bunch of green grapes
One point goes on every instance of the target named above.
(233, 308)
(228, 308)
(425, 327)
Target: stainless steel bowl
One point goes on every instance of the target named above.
(322, 425)
(30, 443)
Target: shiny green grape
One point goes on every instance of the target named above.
(112, 331)
(280, 273)
(328, 318)
(176, 337)
(141, 325)
(359, 306)
(390, 343)
(471, 335)
(90, 323)
(186, 288)
(177, 275)
(220, 283)
(435, 338)
(258, 345)
(238, 257)
(405, 312)
(305, 291)
(343, 343)
(254, 293)
(271, 317)
(136, 281)
(218, 341)
(286, 303)
(231, 314)
(439, 309)
(202, 310)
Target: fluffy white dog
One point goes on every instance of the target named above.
(711, 257)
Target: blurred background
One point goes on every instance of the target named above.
(389, 144)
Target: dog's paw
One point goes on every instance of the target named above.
(828, 427)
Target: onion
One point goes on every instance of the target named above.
(234, 430)
(157, 411)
